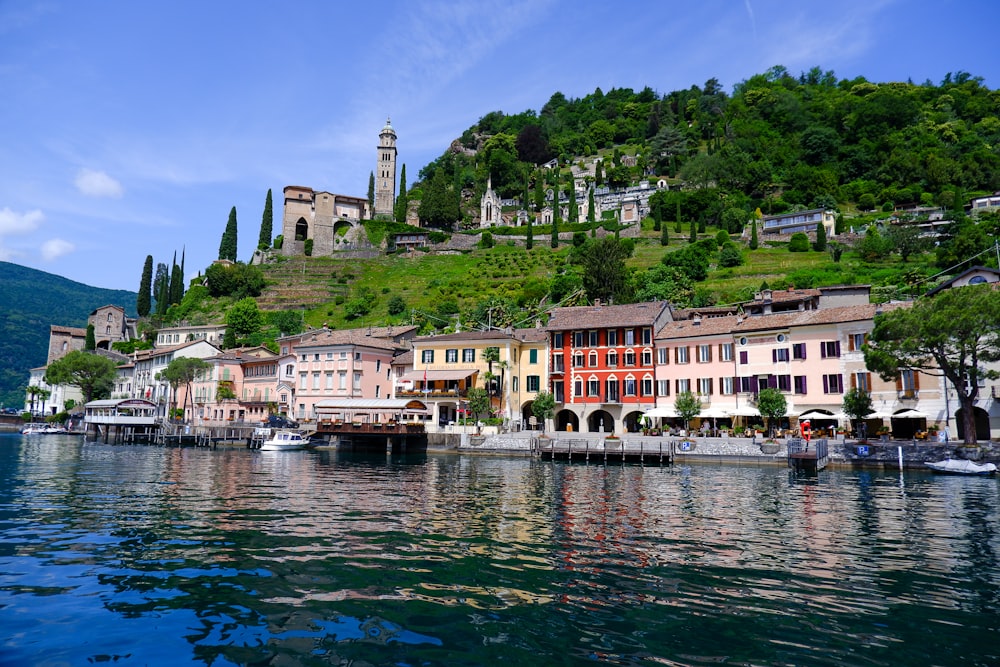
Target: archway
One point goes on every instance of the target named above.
(301, 230)
(633, 423)
(982, 423)
(601, 422)
(527, 415)
(566, 420)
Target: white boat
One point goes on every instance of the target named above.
(43, 429)
(285, 441)
(961, 467)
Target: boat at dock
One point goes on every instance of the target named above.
(282, 441)
(44, 429)
(961, 467)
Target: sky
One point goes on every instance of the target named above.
(130, 128)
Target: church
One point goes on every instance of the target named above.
(332, 221)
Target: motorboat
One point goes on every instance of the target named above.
(961, 467)
(39, 428)
(282, 441)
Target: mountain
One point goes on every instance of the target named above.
(30, 301)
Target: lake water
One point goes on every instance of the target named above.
(139, 555)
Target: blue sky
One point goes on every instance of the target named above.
(131, 128)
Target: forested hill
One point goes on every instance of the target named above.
(776, 141)
(30, 301)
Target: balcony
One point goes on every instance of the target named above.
(908, 394)
(433, 393)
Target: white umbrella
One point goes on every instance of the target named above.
(909, 414)
(660, 411)
(820, 414)
(743, 411)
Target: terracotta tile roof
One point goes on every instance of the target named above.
(72, 331)
(526, 335)
(403, 359)
(601, 316)
(358, 337)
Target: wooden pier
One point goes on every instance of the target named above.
(808, 456)
(605, 450)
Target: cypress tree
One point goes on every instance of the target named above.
(539, 193)
(266, 224)
(228, 245)
(599, 173)
(529, 238)
(555, 217)
(176, 284)
(664, 235)
(574, 211)
(229, 339)
(161, 287)
(90, 342)
(820, 237)
(371, 194)
(753, 236)
(591, 213)
(144, 300)
(694, 232)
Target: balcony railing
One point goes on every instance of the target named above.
(433, 393)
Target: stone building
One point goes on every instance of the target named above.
(385, 176)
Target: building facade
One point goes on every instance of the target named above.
(385, 172)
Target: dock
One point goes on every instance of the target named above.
(808, 456)
(605, 450)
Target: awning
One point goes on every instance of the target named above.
(371, 405)
(430, 376)
(743, 411)
(909, 414)
(661, 411)
(713, 413)
(821, 414)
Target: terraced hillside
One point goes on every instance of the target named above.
(304, 283)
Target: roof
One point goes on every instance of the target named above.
(970, 271)
(601, 316)
(403, 359)
(471, 335)
(73, 331)
(358, 337)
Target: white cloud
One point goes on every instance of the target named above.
(56, 248)
(12, 222)
(98, 184)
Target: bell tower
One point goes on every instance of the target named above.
(385, 172)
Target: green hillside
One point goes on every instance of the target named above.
(30, 301)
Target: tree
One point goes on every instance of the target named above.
(161, 288)
(34, 391)
(954, 334)
(554, 241)
(90, 342)
(574, 211)
(396, 305)
(43, 395)
(479, 401)
(183, 371)
(799, 242)
(539, 192)
(687, 407)
(664, 235)
(543, 408)
(906, 240)
(605, 276)
(591, 213)
(820, 245)
(371, 194)
(402, 201)
(438, 206)
(857, 405)
(754, 243)
(144, 299)
(266, 224)
(228, 245)
(92, 374)
(244, 319)
(529, 234)
(176, 283)
(772, 406)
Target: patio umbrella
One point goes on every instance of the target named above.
(909, 414)
(820, 414)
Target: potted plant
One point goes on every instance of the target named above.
(770, 447)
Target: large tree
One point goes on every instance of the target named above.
(244, 318)
(144, 299)
(772, 406)
(183, 371)
(161, 288)
(92, 374)
(605, 276)
(228, 245)
(266, 224)
(402, 201)
(955, 335)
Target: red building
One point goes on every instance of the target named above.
(601, 364)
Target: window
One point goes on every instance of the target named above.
(469, 356)
(630, 336)
(799, 384)
(784, 383)
(451, 356)
(862, 381)
(303, 383)
(705, 386)
(833, 383)
(329, 355)
(427, 356)
(577, 387)
(316, 357)
(908, 384)
(290, 370)
(779, 354)
(682, 386)
(557, 339)
(647, 357)
(744, 357)
(316, 380)
(108, 330)
(647, 386)
(727, 386)
(704, 354)
(357, 356)
(593, 387)
(611, 391)
(798, 350)
(611, 359)
(612, 336)
(663, 387)
(109, 317)
(378, 391)
(329, 380)
(681, 355)
(592, 360)
(577, 339)
(513, 384)
(829, 349)
(342, 380)
(343, 355)
(357, 379)
(532, 382)
(557, 363)
(856, 340)
(630, 386)
(533, 356)
(558, 393)
(647, 336)
(578, 360)
(662, 356)
(378, 365)
(629, 358)
(593, 338)
(725, 351)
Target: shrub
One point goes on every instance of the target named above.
(279, 240)
(309, 247)
(396, 305)
(799, 242)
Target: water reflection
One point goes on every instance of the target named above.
(237, 557)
